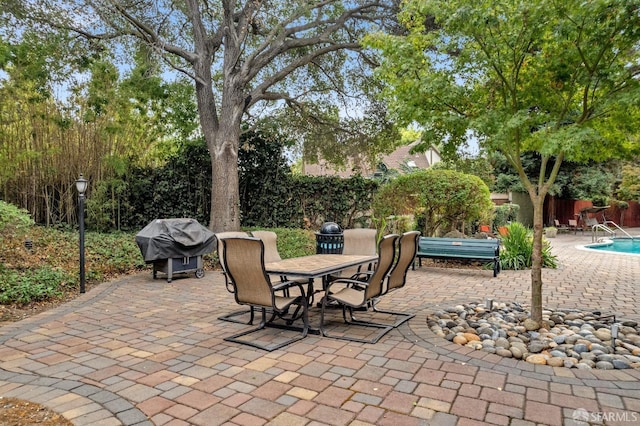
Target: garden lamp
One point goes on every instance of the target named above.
(81, 186)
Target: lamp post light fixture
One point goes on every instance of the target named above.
(81, 186)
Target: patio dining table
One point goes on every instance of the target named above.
(317, 266)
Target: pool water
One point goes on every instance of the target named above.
(618, 245)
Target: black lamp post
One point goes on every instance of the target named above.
(81, 186)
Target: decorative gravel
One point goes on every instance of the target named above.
(566, 338)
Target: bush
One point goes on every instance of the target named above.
(440, 200)
(270, 196)
(505, 214)
(518, 248)
(108, 255)
(395, 224)
(291, 201)
(600, 200)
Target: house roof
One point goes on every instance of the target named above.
(394, 160)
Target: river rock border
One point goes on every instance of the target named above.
(566, 338)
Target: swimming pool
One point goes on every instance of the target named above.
(617, 245)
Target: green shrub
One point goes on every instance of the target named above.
(395, 224)
(13, 219)
(32, 286)
(518, 248)
(600, 200)
(115, 252)
(440, 200)
(55, 251)
(505, 214)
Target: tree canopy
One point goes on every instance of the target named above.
(244, 57)
(555, 78)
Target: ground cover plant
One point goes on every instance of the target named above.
(39, 266)
(32, 279)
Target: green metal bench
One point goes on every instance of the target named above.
(460, 249)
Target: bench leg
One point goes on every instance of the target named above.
(413, 265)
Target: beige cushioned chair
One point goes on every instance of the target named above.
(244, 264)
(233, 316)
(360, 241)
(271, 253)
(397, 278)
(352, 294)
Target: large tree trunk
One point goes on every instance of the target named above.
(223, 139)
(222, 136)
(536, 258)
(225, 204)
(221, 129)
(223, 149)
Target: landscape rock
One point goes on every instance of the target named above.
(564, 338)
(537, 359)
(459, 339)
(555, 362)
(530, 324)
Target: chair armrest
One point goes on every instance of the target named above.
(362, 275)
(283, 285)
(347, 283)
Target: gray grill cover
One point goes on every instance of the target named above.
(174, 238)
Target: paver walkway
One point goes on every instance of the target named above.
(142, 351)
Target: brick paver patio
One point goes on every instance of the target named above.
(143, 351)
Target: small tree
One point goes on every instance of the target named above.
(439, 199)
(557, 79)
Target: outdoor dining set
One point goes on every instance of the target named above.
(283, 292)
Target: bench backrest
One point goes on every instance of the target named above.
(461, 246)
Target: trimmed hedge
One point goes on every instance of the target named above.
(270, 196)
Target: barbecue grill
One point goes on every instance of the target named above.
(175, 246)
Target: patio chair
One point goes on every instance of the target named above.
(360, 241)
(573, 224)
(244, 263)
(220, 236)
(352, 294)
(559, 226)
(591, 222)
(270, 240)
(220, 249)
(397, 278)
(271, 253)
(486, 229)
